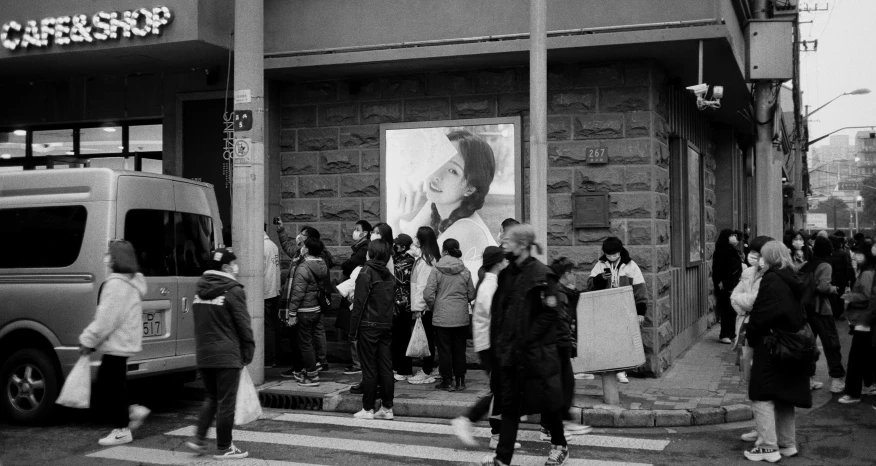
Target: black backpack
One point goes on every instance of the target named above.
(806, 277)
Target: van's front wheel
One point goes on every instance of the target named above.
(30, 386)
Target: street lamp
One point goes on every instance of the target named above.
(855, 92)
(809, 143)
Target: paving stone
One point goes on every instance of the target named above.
(738, 412)
(633, 418)
(601, 417)
(672, 418)
(707, 416)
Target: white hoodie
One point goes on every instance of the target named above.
(117, 328)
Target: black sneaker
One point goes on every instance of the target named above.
(291, 373)
(322, 367)
(309, 382)
(557, 456)
(197, 445)
(352, 370)
(357, 389)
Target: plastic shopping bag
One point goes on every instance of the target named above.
(419, 344)
(77, 388)
(248, 407)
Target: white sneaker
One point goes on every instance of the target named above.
(583, 376)
(137, 414)
(117, 437)
(421, 378)
(749, 436)
(383, 413)
(789, 452)
(573, 428)
(364, 414)
(815, 385)
(494, 443)
(622, 377)
(726, 341)
(871, 390)
(847, 400)
(401, 378)
(231, 453)
(762, 454)
(463, 430)
(837, 385)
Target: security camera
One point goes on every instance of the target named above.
(699, 89)
(717, 92)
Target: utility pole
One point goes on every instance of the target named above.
(769, 164)
(538, 160)
(248, 200)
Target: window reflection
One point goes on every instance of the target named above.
(104, 140)
(145, 138)
(13, 144)
(53, 142)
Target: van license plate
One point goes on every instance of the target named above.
(152, 324)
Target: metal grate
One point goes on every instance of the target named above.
(688, 301)
(287, 401)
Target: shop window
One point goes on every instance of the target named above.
(145, 138)
(103, 140)
(13, 144)
(53, 142)
(687, 209)
(42, 237)
(152, 234)
(194, 241)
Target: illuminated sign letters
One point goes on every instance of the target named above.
(64, 30)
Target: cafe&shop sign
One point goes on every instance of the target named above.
(80, 29)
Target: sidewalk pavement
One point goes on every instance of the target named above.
(702, 387)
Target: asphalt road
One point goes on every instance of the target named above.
(833, 434)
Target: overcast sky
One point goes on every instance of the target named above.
(844, 62)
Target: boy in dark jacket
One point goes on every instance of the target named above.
(224, 344)
(371, 328)
(401, 322)
(304, 309)
(361, 236)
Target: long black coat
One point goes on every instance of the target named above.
(777, 306)
(523, 333)
(726, 269)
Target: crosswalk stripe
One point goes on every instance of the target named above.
(444, 429)
(423, 452)
(172, 458)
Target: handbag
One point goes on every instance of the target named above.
(794, 351)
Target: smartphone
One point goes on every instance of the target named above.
(278, 221)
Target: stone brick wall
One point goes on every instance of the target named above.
(329, 146)
(711, 228)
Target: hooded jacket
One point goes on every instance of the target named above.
(307, 278)
(358, 258)
(373, 298)
(777, 307)
(448, 293)
(117, 328)
(223, 334)
(629, 274)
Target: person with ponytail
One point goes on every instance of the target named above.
(448, 293)
(454, 195)
(425, 250)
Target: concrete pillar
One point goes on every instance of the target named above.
(768, 189)
(248, 194)
(538, 208)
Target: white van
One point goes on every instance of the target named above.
(55, 227)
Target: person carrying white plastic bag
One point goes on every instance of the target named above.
(117, 331)
(224, 345)
(418, 347)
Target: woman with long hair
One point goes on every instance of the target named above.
(425, 249)
(384, 232)
(726, 271)
(775, 389)
(861, 354)
(117, 331)
(800, 252)
(448, 293)
(454, 195)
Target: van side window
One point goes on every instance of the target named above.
(194, 241)
(151, 233)
(38, 237)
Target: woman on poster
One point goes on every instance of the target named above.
(455, 193)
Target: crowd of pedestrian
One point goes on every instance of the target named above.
(787, 295)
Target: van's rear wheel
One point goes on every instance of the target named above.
(30, 386)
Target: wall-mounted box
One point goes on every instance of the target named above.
(769, 52)
(590, 210)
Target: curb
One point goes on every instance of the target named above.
(598, 416)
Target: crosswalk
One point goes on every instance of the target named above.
(327, 439)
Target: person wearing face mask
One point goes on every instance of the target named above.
(726, 270)
(843, 274)
(796, 243)
(224, 344)
(742, 300)
(523, 337)
(384, 231)
(615, 269)
(427, 257)
(117, 332)
(401, 319)
(361, 238)
(861, 304)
